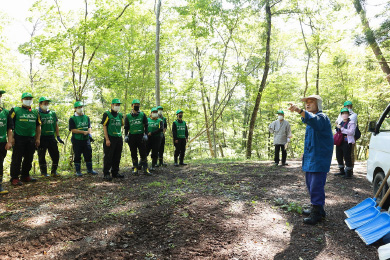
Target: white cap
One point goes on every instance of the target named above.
(316, 97)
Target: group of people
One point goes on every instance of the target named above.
(318, 148)
(27, 129)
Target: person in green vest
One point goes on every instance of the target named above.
(155, 129)
(5, 130)
(113, 143)
(180, 137)
(136, 135)
(162, 144)
(80, 126)
(27, 135)
(49, 129)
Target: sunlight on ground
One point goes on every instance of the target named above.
(38, 221)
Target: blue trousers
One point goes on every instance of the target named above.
(82, 147)
(315, 183)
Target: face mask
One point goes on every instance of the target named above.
(27, 103)
(350, 110)
(344, 116)
(136, 108)
(80, 111)
(154, 115)
(180, 116)
(116, 108)
(280, 117)
(160, 112)
(44, 108)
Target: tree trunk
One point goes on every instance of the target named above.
(158, 8)
(370, 36)
(263, 82)
(308, 59)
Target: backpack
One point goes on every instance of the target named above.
(358, 134)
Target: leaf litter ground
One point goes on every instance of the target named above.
(226, 210)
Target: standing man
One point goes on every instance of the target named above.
(162, 145)
(317, 155)
(49, 129)
(27, 135)
(136, 135)
(5, 130)
(113, 143)
(282, 134)
(155, 128)
(80, 126)
(180, 137)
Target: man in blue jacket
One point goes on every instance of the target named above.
(317, 155)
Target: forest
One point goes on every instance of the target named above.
(230, 65)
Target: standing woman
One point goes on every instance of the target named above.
(343, 151)
(155, 128)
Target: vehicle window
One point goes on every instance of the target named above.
(386, 124)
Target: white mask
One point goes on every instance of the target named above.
(154, 115)
(80, 111)
(160, 112)
(44, 108)
(280, 117)
(27, 103)
(116, 108)
(350, 110)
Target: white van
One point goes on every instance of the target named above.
(378, 162)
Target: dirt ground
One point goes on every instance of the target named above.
(226, 210)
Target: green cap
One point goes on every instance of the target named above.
(2, 92)
(116, 101)
(26, 94)
(135, 101)
(41, 99)
(78, 104)
(347, 103)
(179, 111)
(154, 109)
(280, 112)
(344, 109)
(160, 107)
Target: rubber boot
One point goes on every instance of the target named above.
(89, 168)
(54, 168)
(78, 169)
(348, 174)
(307, 212)
(107, 177)
(341, 172)
(43, 168)
(146, 169)
(182, 162)
(315, 216)
(135, 170)
(2, 191)
(176, 164)
(154, 164)
(161, 162)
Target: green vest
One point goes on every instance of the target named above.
(136, 123)
(25, 121)
(114, 126)
(49, 123)
(81, 123)
(181, 129)
(153, 124)
(3, 125)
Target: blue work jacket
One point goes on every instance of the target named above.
(318, 148)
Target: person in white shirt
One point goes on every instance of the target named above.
(282, 134)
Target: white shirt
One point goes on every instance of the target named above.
(353, 116)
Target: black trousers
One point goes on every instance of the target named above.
(180, 149)
(82, 147)
(112, 155)
(22, 157)
(3, 153)
(343, 153)
(154, 146)
(162, 148)
(48, 144)
(136, 143)
(279, 147)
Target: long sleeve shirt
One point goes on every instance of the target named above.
(281, 130)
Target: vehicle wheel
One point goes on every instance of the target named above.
(377, 183)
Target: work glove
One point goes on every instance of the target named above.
(60, 140)
(288, 140)
(126, 139)
(90, 138)
(145, 138)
